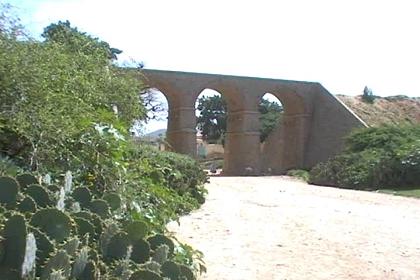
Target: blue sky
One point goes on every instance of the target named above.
(344, 45)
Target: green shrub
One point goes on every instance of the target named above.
(299, 173)
(374, 158)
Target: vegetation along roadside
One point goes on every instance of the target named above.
(79, 199)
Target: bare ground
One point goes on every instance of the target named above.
(280, 228)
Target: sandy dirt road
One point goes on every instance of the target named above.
(280, 228)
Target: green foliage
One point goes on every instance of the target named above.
(375, 158)
(368, 96)
(57, 101)
(213, 116)
(299, 173)
(52, 96)
(212, 120)
(270, 117)
(75, 41)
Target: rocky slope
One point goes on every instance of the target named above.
(385, 110)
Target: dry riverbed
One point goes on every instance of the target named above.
(280, 228)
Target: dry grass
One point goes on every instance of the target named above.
(385, 110)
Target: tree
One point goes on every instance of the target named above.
(368, 96)
(75, 41)
(213, 117)
(270, 117)
(53, 98)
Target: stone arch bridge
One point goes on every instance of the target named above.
(312, 128)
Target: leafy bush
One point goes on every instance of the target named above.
(65, 106)
(299, 173)
(374, 158)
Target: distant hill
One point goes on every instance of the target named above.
(155, 134)
(385, 110)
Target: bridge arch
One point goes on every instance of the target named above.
(314, 121)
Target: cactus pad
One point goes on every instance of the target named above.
(90, 272)
(53, 188)
(186, 272)
(161, 254)
(71, 246)
(26, 180)
(43, 244)
(82, 195)
(118, 245)
(113, 199)
(141, 251)
(85, 227)
(39, 194)
(27, 205)
(145, 275)
(100, 207)
(171, 270)
(159, 239)
(92, 218)
(15, 231)
(80, 262)
(58, 262)
(136, 230)
(53, 222)
(9, 189)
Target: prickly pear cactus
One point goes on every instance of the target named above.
(113, 199)
(84, 228)
(161, 254)
(171, 270)
(71, 246)
(56, 224)
(39, 241)
(136, 230)
(186, 272)
(39, 194)
(118, 245)
(44, 246)
(60, 261)
(91, 272)
(92, 218)
(145, 275)
(159, 239)
(109, 231)
(141, 251)
(100, 207)
(15, 232)
(83, 196)
(80, 262)
(26, 180)
(9, 189)
(27, 205)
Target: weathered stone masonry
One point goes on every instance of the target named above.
(312, 128)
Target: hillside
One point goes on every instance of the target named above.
(385, 110)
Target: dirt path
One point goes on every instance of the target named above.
(278, 228)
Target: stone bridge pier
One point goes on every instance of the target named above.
(311, 129)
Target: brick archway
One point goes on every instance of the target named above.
(314, 121)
